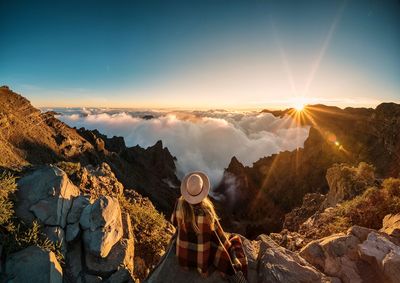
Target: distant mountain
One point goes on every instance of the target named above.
(29, 137)
(276, 184)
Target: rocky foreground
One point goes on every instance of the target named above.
(95, 238)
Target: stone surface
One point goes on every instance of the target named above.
(102, 226)
(99, 180)
(277, 264)
(383, 255)
(335, 255)
(391, 225)
(120, 255)
(47, 193)
(33, 265)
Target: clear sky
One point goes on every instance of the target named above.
(201, 54)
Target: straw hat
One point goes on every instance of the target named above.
(195, 187)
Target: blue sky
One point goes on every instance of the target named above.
(201, 54)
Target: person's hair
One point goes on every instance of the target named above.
(188, 215)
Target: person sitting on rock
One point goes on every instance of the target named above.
(201, 242)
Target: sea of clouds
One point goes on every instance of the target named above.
(200, 140)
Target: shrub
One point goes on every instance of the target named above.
(370, 208)
(152, 231)
(392, 187)
(7, 189)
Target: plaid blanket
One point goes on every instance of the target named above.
(211, 247)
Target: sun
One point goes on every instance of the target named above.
(299, 106)
(299, 103)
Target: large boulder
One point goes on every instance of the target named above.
(102, 226)
(383, 255)
(391, 225)
(360, 255)
(34, 265)
(277, 264)
(46, 194)
(335, 255)
(120, 256)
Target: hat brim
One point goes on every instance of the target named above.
(204, 192)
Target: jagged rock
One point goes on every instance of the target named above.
(391, 225)
(78, 204)
(48, 193)
(120, 255)
(33, 265)
(277, 264)
(292, 241)
(102, 226)
(346, 182)
(383, 255)
(100, 180)
(361, 255)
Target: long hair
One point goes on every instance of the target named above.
(188, 215)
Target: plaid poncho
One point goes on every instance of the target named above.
(211, 247)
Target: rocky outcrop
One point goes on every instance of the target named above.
(28, 136)
(96, 237)
(382, 255)
(277, 264)
(360, 255)
(33, 265)
(346, 182)
(46, 194)
(280, 181)
(99, 180)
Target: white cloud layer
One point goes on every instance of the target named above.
(201, 140)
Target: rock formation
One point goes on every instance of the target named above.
(279, 182)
